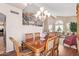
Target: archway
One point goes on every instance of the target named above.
(59, 26)
(2, 33)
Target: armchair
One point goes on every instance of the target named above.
(70, 40)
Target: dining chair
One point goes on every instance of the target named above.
(56, 45)
(18, 48)
(28, 36)
(51, 34)
(37, 35)
(49, 46)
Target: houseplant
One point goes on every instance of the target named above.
(73, 27)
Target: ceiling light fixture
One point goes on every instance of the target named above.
(42, 14)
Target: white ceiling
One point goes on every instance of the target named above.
(18, 5)
(58, 9)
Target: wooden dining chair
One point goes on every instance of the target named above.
(28, 36)
(37, 35)
(56, 45)
(49, 45)
(18, 49)
(51, 34)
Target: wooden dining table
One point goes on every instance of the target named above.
(37, 46)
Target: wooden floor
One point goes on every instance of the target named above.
(63, 51)
(67, 51)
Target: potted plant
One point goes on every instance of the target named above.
(73, 27)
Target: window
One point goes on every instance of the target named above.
(68, 26)
(59, 26)
(50, 28)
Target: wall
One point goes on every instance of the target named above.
(14, 25)
(65, 19)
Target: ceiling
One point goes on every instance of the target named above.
(57, 9)
(18, 5)
(2, 17)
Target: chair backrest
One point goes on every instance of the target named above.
(51, 34)
(56, 45)
(16, 46)
(56, 41)
(37, 35)
(28, 36)
(49, 45)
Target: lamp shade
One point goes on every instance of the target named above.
(41, 9)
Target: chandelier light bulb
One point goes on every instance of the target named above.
(45, 12)
(53, 15)
(38, 13)
(48, 14)
(41, 9)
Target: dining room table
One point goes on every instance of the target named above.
(36, 45)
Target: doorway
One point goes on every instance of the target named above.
(2, 33)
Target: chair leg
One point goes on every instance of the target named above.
(57, 52)
(52, 53)
(76, 47)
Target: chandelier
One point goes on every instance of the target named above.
(42, 14)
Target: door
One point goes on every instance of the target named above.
(2, 33)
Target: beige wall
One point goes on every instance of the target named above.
(14, 25)
(65, 19)
(12, 20)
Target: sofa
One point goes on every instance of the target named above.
(70, 40)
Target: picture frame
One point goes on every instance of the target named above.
(29, 19)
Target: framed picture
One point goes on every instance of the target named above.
(38, 22)
(29, 19)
